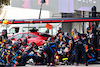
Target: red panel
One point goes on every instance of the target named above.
(28, 22)
(0, 21)
(9, 22)
(82, 20)
(45, 21)
(57, 20)
(36, 21)
(18, 22)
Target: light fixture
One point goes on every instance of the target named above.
(86, 1)
(83, 0)
(90, 1)
(94, 1)
(79, 0)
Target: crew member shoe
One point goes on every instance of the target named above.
(77, 64)
(14, 65)
(86, 64)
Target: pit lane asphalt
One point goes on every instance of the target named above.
(80, 65)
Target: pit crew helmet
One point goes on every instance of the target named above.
(74, 31)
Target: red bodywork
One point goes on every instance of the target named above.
(34, 37)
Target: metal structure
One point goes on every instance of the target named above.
(42, 1)
(55, 20)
